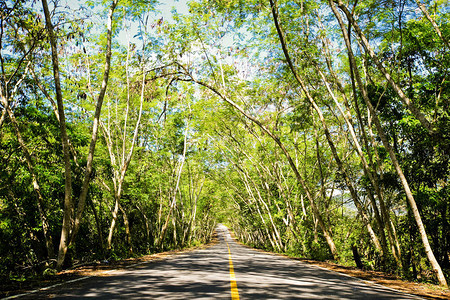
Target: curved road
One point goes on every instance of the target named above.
(208, 274)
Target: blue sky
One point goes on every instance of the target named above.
(166, 6)
(162, 9)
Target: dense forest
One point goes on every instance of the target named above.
(320, 129)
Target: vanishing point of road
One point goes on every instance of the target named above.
(226, 270)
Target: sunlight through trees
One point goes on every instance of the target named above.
(319, 129)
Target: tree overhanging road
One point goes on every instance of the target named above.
(205, 274)
(127, 127)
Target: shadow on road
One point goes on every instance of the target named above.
(265, 276)
(204, 274)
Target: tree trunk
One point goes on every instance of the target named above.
(119, 171)
(113, 223)
(356, 257)
(325, 128)
(434, 263)
(127, 230)
(68, 203)
(407, 102)
(172, 205)
(433, 22)
(95, 126)
(99, 227)
(146, 226)
(373, 179)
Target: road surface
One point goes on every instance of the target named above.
(226, 270)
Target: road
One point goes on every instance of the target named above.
(208, 274)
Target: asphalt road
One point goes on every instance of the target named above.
(205, 274)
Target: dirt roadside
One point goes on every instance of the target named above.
(424, 290)
(15, 288)
(427, 291)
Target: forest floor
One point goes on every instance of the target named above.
(427, 291)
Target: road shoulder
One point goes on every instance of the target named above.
(427, 291)
(88, 270)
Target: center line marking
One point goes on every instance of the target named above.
(234, 289)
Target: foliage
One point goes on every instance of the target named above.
(238, 112)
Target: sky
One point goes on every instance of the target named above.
(162, 9)
(166, 6)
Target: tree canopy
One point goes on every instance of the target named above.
(314, 128)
